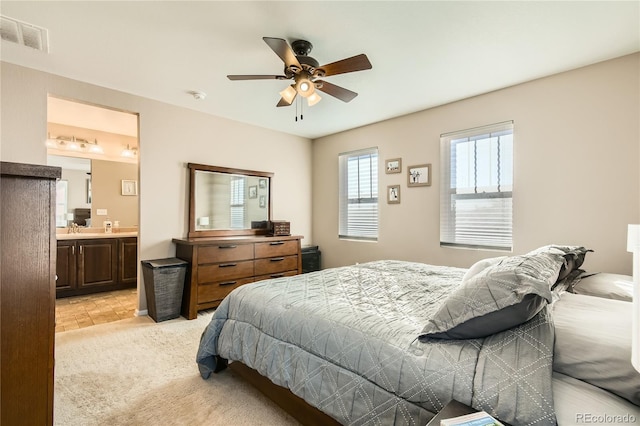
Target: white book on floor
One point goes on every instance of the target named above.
(480, 418)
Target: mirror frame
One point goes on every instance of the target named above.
(193, 233)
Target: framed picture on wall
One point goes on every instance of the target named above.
(419, 175)
(393, 166)
(253, 191)
(129, 187)
(393, 194)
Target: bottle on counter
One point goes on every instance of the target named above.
(108, 226)
(116, 226)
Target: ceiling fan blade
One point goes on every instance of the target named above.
(257, 77)
(283, 102)
(355, 63)
(282, 49)
(341, 93)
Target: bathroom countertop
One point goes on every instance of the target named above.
(94, 235)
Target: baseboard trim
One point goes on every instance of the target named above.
(141, 313)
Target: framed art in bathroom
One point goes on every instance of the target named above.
(129, 187)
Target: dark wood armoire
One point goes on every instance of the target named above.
(27, 296)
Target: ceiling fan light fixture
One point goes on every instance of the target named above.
(313, 99)
(289, 94)
(305, 87)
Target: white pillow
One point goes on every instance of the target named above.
(480, 266)
(605, 285)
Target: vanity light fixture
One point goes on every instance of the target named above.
(129, 152)
(71, 143)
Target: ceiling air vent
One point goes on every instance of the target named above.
(24, 34)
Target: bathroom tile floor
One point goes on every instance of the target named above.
(84, 311)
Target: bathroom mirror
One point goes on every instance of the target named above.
(227, 202)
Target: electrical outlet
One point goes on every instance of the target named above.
(101, 212)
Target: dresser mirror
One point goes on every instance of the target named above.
(227, 202)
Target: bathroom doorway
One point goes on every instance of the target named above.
(97, 211)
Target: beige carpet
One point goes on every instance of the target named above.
(138, 372)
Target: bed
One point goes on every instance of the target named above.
(391, 342)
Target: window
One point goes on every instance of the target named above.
(237, 202)
(358, 205)
(62, 187)
(476, 187)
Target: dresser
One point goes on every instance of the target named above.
(28, 249)
(217, 265)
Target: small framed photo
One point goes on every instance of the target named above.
(263, 201)
(393, 166)
(253, 191)
(129, 187)
(419, 175)
(262, 183)
(393, 194)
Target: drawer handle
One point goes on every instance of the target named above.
(276, 243)
(230, 246)
(228, 283)
(227, 265)
(277, 259)
(276, 275)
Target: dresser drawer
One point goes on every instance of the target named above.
(276, 264)
(277, 275)
(212, 292)
(224, 253)
(225, 271)
(276, 248)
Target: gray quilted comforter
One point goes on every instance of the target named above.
(345, 340)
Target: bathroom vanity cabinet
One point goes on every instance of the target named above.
(94, 265)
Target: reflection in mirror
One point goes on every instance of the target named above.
(228, 201)
(73, 190)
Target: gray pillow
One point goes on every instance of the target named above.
(608, 286)
(573, 257)
(593, 343)
(501, 296)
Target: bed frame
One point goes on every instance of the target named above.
(284, 398)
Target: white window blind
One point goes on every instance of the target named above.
(477, 187)
(237, 202)
(358, 192)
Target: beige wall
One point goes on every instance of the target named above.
(576, 162)
(170, 137)
(106, 186)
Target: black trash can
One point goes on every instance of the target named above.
(310, 259)
(163, 284)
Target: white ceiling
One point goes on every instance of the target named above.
(424, 53)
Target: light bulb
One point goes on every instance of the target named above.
(289, 94)
(313, 99)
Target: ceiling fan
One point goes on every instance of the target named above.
(306, 72)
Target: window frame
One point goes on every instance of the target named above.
(346, 227)
(449, 229)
